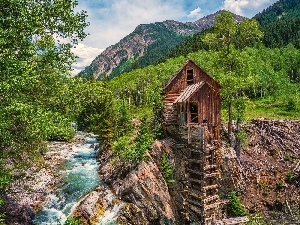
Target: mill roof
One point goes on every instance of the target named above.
(188, 92)
(173, 78)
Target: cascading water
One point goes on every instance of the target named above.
(79, 175)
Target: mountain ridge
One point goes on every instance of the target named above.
(146, 43)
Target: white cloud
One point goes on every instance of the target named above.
(235, 6)
(195, 14)
(109, 24)
(246, 7)
(86, 55)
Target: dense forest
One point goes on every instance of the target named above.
(39, 99)
(280, 23)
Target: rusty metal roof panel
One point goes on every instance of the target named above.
(188, 92)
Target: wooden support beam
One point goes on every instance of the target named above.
(211, 198)
(211, 206)
(210, 167)
(196, 203)
(195, 180)
(214, 186)
(209, 175)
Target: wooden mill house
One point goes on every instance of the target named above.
(192, 116)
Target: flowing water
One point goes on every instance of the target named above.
(79, 174)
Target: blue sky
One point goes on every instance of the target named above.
(111, 20)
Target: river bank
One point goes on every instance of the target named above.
(27, 194)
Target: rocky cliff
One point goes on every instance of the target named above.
(130, 195)
(266, 178)
(267, 174)
(150, 41)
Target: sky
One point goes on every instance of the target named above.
(111, 20)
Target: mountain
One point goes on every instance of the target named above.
(146, 44)
(281, 23)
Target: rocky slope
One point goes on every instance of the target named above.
(136, 195)
(146, 39)
(266, 177)
(267, 174)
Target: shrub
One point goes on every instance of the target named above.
(71, 221)
(290, 105)
(132, 150)
(289, 178)
(280, 184)
(256, 219)
(167, 169)
(287, 157)
(234, 206)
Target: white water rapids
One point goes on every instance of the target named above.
(79, 175)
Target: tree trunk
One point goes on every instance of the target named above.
(238, 139)
(230, 122)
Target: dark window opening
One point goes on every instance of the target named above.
(190, 76)
(194, 112)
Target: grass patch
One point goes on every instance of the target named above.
(267, 108)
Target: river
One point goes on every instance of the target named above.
(79, 176)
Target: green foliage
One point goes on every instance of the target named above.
(143, 140)
(289, 177)
(280, 184)
(132, 147)
(242, 136)
(138, 109)
(287, 157)
(260, 75)
(256, 219)
(36, 101)
(234, 205)
(280, 23)
(191, 44)
(167, 168)
(228, 39)
(96, 112)
(5, 178)
(71, 221)
(291, 105)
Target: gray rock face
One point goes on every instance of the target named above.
(103, 206)
(142, 191)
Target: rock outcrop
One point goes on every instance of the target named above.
(266, 176)
(103, 206)
(143, 186)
